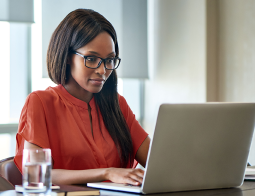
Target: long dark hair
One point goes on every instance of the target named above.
(77, 29)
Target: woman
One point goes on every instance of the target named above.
(90, 129)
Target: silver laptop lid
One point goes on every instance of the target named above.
(199, 146)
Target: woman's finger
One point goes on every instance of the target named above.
(132, 181)
(139, 172)
(128, 176)
(136, 177)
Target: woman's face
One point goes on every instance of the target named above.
(92, 80)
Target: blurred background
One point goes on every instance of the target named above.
(172, 51)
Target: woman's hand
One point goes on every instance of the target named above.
(125, 176)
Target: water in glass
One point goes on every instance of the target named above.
(37, 171)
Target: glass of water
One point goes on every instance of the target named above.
(36, 169)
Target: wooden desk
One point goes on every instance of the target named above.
(247, 189)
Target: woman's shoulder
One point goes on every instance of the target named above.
(123, 104)
(47, 95)
(122, 100)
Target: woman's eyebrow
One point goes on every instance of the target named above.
(93, 52)
(96, 53)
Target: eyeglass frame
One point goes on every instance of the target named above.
(100, 62)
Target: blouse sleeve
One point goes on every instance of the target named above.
(32, 127)
(138, 134)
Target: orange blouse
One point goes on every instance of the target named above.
(55, 119)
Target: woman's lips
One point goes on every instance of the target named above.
(97, 81)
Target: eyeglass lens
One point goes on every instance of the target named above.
(93, 62)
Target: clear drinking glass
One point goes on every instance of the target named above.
(36, 168)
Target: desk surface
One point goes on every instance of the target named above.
(247, 189)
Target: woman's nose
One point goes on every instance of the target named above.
(101, 69)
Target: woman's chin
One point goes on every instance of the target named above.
(95, 90)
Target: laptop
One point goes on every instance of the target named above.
(194, 147)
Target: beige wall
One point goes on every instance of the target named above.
(176, 55)
(237, 50)
(237, 53)
(200, 50)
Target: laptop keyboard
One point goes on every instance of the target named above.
(130, 185)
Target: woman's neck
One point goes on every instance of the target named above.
(77, 91)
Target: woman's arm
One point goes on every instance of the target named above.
(142, 152)
(119, 175)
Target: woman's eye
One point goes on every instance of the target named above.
(92, 59)
(109, 60)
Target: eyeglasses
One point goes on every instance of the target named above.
(94, 62)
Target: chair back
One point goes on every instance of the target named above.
(10, 172)
(5, 185)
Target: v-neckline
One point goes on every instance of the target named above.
(90, 120)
